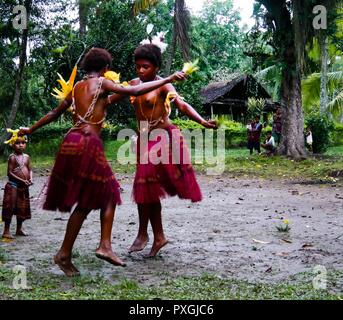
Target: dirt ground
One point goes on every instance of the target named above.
(231, 233)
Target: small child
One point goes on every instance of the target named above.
(269, 145)
(16, 196)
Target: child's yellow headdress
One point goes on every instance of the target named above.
(14, 137)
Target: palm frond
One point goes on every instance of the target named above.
(335, 107)
(311, 90)
(336, 76)
(142, 5)
(267, 73)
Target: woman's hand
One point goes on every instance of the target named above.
(211, 124)
(178, 76)
(24, 131)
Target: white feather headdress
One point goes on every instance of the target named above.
(157, 41)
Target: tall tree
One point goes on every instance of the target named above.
(19, 74)
(292, 25)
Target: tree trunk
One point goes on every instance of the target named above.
(19, 78)
(293, 141)
(324, 75)
(180, 34)
(289, 41)
(83, 5)
(171, 54)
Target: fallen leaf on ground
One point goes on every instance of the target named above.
(287, 241)
(307, 245)
(7, 240)
(282, 254)
(261, 242)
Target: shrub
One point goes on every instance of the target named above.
(321, 127)
(337, 135)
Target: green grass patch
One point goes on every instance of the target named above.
(238, 162)
(207, 287)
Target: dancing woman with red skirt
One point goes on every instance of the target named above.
(154, 182)
(81, 174)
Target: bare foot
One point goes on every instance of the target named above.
(7, 236)
(66, 266)
(139, 244)
(156, 247)
(110, 257)
(21, 233)
(76, 271)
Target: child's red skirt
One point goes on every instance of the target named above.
(176, 177)
(81, 175)
(21, 204)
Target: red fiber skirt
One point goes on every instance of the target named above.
(174, 177)
(19, 207)
(81, 175)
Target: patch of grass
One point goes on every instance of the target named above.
(335, 151)
(3, 256)
(238, 162)
(207, 287)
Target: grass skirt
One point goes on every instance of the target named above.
(21, 208)
(174, 178)
(81, 175)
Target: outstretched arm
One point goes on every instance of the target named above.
(121, 92)
(53, 115)
(189, 111)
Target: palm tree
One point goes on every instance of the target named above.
(312, 93)
(180, 28)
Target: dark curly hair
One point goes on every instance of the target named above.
(96, 59)
(149, 52)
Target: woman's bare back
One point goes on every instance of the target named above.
(84, 92)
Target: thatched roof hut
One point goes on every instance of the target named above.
(231, 96)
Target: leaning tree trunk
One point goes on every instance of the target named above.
(83, 8)
(180, 34)
(293, 142)
(19, 78)
(324, 75)
(171, 54)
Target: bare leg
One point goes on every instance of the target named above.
(19, 231)
(7, 234)
(142, 238)
(63, 257)
(156, 222)
(104, 251)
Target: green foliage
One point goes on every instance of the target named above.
(311, 93)
(321, 127)
(255, 107)
(219, 36)
(187, 124)
(337, 135)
